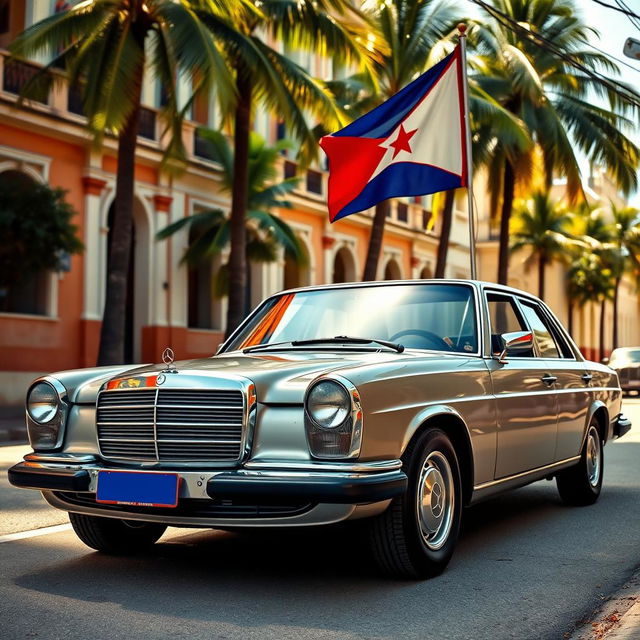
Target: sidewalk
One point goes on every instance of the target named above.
(619, 618)
(12, 425)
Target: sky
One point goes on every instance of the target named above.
(615, 28)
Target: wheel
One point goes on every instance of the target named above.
(581, 484)
(113, 536)
(415, 537)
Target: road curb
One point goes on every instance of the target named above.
(618, 619)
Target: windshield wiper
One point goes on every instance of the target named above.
(266, 345)
(350, 340)
(335, 340)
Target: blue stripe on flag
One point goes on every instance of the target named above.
(381, 121)
(402, 179)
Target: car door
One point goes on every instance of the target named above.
(573, 379)
(525, 396)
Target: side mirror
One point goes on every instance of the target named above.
(605, 360)
(514, 342)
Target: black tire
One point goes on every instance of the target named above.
(580, 485)
(396, 537)
(113, 536)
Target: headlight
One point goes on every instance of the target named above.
(43, 403)
(46, 412)
(328, 404)
(333, 419)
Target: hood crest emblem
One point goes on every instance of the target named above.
(167, 357)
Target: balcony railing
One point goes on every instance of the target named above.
(16, 76)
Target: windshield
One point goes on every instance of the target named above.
(440, 317)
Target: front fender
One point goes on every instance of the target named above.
(429, 413)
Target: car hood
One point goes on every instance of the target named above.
(281, 377)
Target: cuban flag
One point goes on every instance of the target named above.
(413, 144)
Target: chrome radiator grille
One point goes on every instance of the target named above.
(171, 424)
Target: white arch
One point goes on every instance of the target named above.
(12, 165)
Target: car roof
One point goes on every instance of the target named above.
(478, 284)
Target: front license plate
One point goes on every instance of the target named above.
(138, 488)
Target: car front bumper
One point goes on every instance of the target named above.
(330, 491)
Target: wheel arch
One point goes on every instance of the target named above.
(599, 411)
(452, 423)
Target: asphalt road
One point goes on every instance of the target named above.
(526, 567)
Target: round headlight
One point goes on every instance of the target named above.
(43, 402)
(328, 404)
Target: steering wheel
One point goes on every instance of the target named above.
(427, 335)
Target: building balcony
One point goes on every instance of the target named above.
(61, 100)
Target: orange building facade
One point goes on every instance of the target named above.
(171, 304)
(58, 326)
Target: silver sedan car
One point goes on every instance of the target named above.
(397, 403)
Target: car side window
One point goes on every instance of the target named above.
(504, 318)
(542, 333)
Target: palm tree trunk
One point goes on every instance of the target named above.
(445, 233)
(239, 200)
(375, 240)
(112, 332)
(603, 305)
(614, 342)
(508, 189)
(542, 264)
(570, 316)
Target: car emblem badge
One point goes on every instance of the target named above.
(167, 357)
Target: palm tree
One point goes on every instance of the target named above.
(104, 46)
(552, 97)
(266, 232)
(265, 76)
(600, 260)
(541, 226)
(626, 238)
(590, 280)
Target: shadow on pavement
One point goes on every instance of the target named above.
(512, 549)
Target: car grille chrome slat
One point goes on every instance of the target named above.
(171, 424)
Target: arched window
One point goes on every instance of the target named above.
(343, 266)
(31, 294)
(426, 273)
(392, 270)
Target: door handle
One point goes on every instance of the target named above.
(548, 379)
(586, 377)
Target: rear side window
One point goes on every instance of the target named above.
(542, 333)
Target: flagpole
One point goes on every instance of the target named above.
(462, 38)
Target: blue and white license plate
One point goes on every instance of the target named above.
(138, 488)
